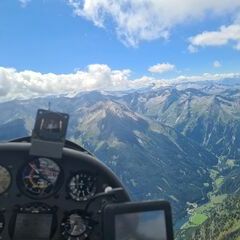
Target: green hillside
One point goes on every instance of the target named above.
(221, 221)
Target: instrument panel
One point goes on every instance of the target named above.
(45, 198)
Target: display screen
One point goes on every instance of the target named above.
(150, 225)
(33, 226)
(51, 125)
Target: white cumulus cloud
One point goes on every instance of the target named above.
(144, 20)
(225, 35)
(29, 84)
(161, 68)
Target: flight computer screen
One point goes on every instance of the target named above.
(33, 226)
(149, 225)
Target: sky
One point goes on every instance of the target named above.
(56, 46)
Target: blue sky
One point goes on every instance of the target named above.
(64, 36)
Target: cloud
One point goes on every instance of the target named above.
(161, 68)
(145, 20)
(217, 64)
(225, 35)
(24, 3)
(192, 49)
(207, 77)
(29, 84)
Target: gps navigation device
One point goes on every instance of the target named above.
(138, 221)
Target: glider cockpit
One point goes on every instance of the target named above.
(54, 189)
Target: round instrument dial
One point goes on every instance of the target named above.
(41, 177)
(82, 186)
(76, 226)
(5, 179)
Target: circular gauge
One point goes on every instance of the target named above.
(82, 186)
(5, 179)
(76, 226)
(2, 222)
(40, 177)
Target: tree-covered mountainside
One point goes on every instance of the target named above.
(176, 143)
(223, 222)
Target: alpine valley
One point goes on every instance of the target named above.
(180, 143)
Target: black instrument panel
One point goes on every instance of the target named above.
(44, 198)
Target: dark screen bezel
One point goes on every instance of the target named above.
(112, 210)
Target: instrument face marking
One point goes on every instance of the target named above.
(5, 179)
(82, 186)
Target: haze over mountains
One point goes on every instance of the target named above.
(171, 142)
